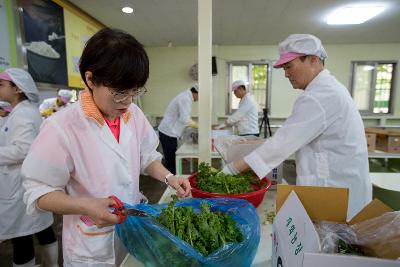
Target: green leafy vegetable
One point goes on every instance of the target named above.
(345, 248)
(206, 231)
(211, 180)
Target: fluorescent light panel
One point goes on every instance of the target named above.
(356, 14)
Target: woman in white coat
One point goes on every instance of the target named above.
(325, 129)
(16, 135)
(95, 148)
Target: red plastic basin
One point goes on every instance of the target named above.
(255, 197)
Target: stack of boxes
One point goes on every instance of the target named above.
(382, 139)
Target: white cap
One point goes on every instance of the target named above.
(238, 83)
(24, 81)
(297, 45)
(65, 95)
(195, 86)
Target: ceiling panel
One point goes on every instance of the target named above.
(242, 22)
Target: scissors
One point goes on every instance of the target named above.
(122, 212)
(118, 209)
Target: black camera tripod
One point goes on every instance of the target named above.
(265, 123)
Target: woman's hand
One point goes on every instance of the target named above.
(181, 185)
(98, 209)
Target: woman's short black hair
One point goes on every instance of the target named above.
(116, 60)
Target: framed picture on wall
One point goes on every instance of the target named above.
(44, 39)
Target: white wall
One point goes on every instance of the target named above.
(169, 73)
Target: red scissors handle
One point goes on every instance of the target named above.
(118, 209)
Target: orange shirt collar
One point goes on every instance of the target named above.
(92, 111)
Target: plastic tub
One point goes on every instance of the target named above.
(255, 197)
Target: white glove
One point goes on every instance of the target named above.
(230, 169)
(221, 126)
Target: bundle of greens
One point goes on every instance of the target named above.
(206, 231)
(211, 180)
(345, 248)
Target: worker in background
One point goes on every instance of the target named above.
(51, 105)
(97, 148)
(174, 122)
(325, 129)
(245, 118)
(16, 135)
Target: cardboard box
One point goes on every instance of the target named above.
(236, 148)
(295, 240)
(371, 141)
(387, 140)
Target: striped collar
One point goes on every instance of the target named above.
(92, 111)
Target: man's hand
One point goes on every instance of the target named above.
(230, 169)
(193, 124)
(181, 185)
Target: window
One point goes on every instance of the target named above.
(373, 86)
(257, 75)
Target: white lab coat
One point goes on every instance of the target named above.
(177, 115)
(246, 116)
(2, 120)
(80, 156)
(16, 135)
(326, 132)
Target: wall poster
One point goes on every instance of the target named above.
(44, 37)
(78, 30)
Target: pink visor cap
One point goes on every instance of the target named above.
(287, 57)
(5, 76)
(238, 83)
(297, 45)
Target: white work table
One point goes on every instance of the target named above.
(264, 252)
(191, 151)
(386, 180)
(383, 155)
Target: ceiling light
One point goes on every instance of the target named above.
(354, 14)
(127, 10)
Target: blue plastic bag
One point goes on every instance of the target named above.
(155, 246)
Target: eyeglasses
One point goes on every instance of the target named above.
(119, 97)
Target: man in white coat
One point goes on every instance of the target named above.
(245, 118)
(325, 129)
(174, 122)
